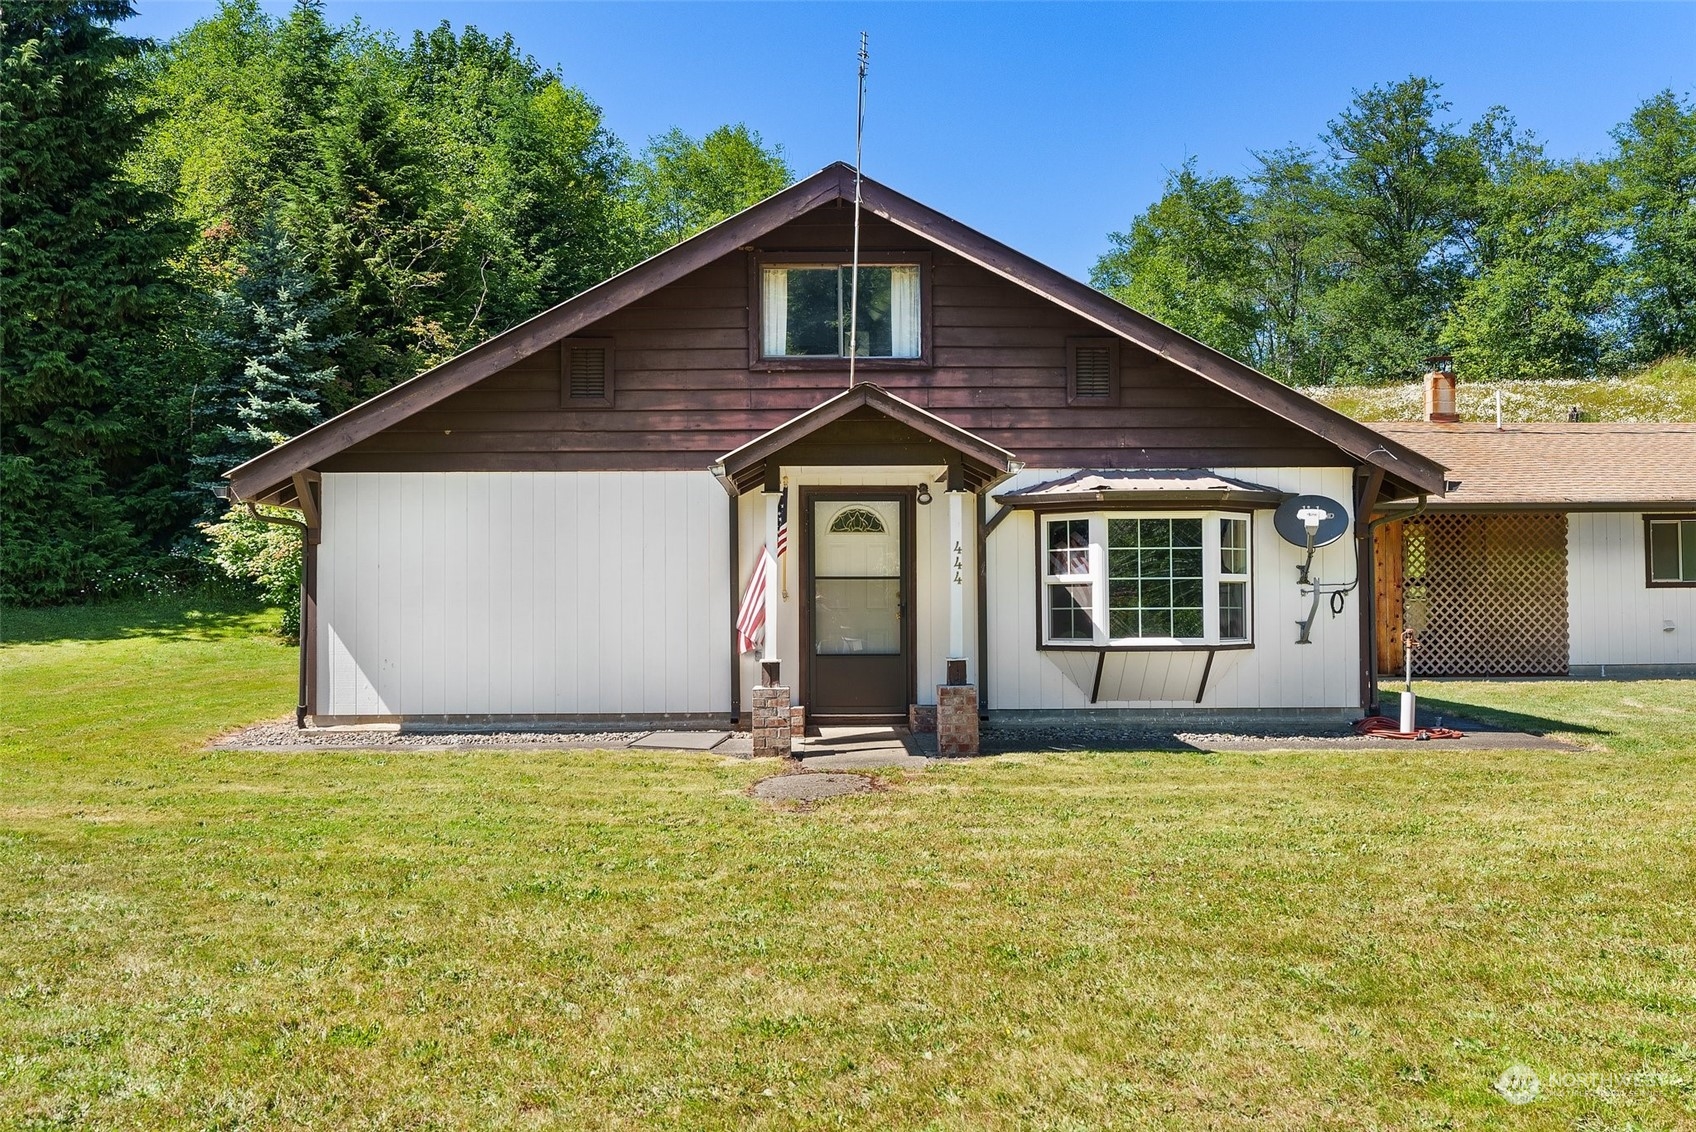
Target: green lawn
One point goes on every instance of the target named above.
(405, 940)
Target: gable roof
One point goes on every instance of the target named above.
(982, 462)
(1560, 465)
(267, 471)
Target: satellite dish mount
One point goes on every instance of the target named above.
(1310, 522)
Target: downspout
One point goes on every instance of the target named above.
(307, 558)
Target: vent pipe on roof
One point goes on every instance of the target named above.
(1440, 390)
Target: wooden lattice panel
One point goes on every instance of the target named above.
(1495, 587)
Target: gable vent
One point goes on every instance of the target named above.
(586, 372)
(1093, 374)
(587, 366)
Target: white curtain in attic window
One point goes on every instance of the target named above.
(904, 311)
(774, 308)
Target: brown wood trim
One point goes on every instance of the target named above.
(1368, 487)
(1100, 666)
(306, 497)
(1648, 553)
(908, 497)
(1206, 671)
(309, 629)
(757, 259)
(1072, 396)
(605, 401)
(991, 457)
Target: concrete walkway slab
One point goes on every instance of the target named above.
(859, 748)
(680, 741)
(810, 787)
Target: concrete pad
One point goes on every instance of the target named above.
(859, 748)
(810, 787)
(680, 741)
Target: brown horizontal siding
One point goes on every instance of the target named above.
(685, 394)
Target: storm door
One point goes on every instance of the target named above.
(857, 626)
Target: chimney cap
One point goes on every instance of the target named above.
(1440, 363)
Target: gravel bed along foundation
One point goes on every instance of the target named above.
(283, 735)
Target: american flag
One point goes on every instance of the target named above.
(751, 618)
(783, 522)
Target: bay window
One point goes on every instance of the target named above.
(804, 311)
(1162, 579)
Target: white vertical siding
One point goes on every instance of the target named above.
(1276, 673)
(523, 593)
(1614, 616)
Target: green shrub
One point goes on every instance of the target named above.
(264, 554)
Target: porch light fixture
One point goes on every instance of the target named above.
(221, 491)
(924, 493)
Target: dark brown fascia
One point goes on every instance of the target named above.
(867, 395)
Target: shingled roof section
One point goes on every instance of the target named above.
(1557, 465)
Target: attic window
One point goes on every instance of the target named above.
(803, 301)
(1092, 371)
(586, 372)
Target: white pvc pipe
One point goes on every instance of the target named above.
(1408, 711)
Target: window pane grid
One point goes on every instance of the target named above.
(1155, 579)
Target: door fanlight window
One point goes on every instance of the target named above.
(856, 521)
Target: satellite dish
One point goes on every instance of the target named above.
(1312, 517)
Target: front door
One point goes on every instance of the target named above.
(857, 627)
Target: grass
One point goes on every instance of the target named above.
(1665, 391)
(617, 940)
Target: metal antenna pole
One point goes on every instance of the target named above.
(854, 273)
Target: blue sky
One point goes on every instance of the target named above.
(1049, 126)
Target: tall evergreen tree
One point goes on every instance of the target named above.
(269, 339)
(83, 286)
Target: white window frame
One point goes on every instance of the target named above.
(1213, 575)
(917, 314)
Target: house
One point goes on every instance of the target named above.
(1024, 494)
(1559, 548)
